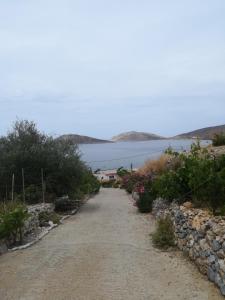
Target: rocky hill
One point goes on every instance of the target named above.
(204, 133)
(82, 139)
(134, 136)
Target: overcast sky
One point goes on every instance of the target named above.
(101, 67)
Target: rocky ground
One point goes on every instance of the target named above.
(102, 253)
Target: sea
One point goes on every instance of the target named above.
(129, 154)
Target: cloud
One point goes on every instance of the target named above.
(105, 66)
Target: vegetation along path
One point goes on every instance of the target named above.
(102, 253)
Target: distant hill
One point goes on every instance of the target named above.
(204, 133)
(134, 136)
(82, 139)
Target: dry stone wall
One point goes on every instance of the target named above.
(32, 224)
(199, 235)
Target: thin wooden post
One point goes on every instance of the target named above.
(43, 187)
(23, 183)
(13, 184)
(5, 200)
(6, 192)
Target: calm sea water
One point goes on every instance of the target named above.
(115, 155)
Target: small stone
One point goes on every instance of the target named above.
(202, 253)
(207, 253)
(216, 245)
(188, 205)
(209, 236)
(203, 244)
(217, 266)
(222, 289)
(182, 235)
(213, 266)
(218, 280)
(191, 243)
(211, 274)
(218, 230)
(221, 254)
(50, 223)
(211, 259)
(221, 264)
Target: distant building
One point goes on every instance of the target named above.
(106, 175)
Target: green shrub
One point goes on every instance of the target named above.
(45, 217)
(9, 206)
(12, 223)
(206, 180)
(26, 148)
(116, 185)
(164, 237)
(168, 186)
(144, 203)
(219, 139)
(65, 204)
(86, 188)
(33, 194)
(122, 172)
(196, 176)
(77, 195)
(108, 184)
(200, 177)
(96, 187)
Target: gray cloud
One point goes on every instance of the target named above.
(101, 67)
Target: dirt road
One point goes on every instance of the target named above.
(102, 253)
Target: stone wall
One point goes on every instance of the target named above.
(32, 224)
(199, 235)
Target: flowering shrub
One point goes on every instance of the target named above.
(140, 189)
(141, 184)
(136, 182)
(196, 175)
(130, 181)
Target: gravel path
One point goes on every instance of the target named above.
(102, 253)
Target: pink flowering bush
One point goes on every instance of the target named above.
(141, 184)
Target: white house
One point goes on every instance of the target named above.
(106, 175)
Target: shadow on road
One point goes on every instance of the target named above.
(90, 207)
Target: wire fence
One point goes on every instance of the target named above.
(16, 185)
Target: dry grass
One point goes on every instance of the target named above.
(9, 206)
(164, 236)
(156, 166)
